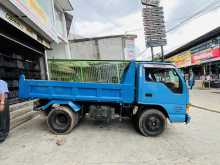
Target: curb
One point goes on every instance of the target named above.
(205, 109)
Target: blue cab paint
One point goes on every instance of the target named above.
(174, 103)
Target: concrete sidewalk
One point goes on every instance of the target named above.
(208, 99)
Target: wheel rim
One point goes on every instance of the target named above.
(61, 120)
(153, 123)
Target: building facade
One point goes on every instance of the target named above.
(202, 56)
(31, 30)
(116, 47)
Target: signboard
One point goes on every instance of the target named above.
(38, 8)
(153, 10)
(186, 59)
(130, 49)
(206, 56)
(40, 12)
(151, 2)
(182, 60)
(14, 21)
(154, 25)
(156, 43)
(157, 33)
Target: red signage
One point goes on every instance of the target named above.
(206, 56)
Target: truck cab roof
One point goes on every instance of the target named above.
(158, 65)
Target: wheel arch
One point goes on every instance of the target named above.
(158, 107)
(74, 106)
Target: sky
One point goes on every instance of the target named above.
(109, 17)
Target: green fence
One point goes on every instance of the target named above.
(87, 71)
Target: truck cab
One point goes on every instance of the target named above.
(163, 85)
(161, 95)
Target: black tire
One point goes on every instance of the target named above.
(151, 122)
(61, 120)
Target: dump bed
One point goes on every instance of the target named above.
(123, 92)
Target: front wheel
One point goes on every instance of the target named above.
(61, 120)
(151, 122)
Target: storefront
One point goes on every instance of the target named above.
(183, 61)
(27, 30)
(20, 53)
(207, 60)
(203, 59)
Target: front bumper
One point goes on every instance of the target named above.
(187, 119)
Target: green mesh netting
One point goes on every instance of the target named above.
(87, 71)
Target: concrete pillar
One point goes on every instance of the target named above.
(66, 45)
(46, 66)
(42, 68)
(124, 49)
(97, 49)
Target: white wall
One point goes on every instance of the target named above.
(59, 51)
(83, 50)
(111, 49)
(108, 49)
(130, 49)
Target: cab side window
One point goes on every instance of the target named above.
(167, 76)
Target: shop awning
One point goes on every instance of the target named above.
(20, 43)
(20, 39)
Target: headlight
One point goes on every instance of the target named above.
(188, 108)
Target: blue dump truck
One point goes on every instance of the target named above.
(150, 93)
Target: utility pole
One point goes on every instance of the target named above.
(152, 53)
(162, 53)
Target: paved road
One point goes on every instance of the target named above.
(206, 99)
(119, 144)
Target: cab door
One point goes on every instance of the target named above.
(162, 84)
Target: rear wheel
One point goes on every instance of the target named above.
(61, 120)
(151, 122)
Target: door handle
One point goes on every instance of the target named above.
(148, 94)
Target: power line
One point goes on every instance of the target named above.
(206, 8)
(185, 17)
(202, 11)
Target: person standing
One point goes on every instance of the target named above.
(191, 80)
(4, 111)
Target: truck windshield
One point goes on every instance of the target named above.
(167, 76)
